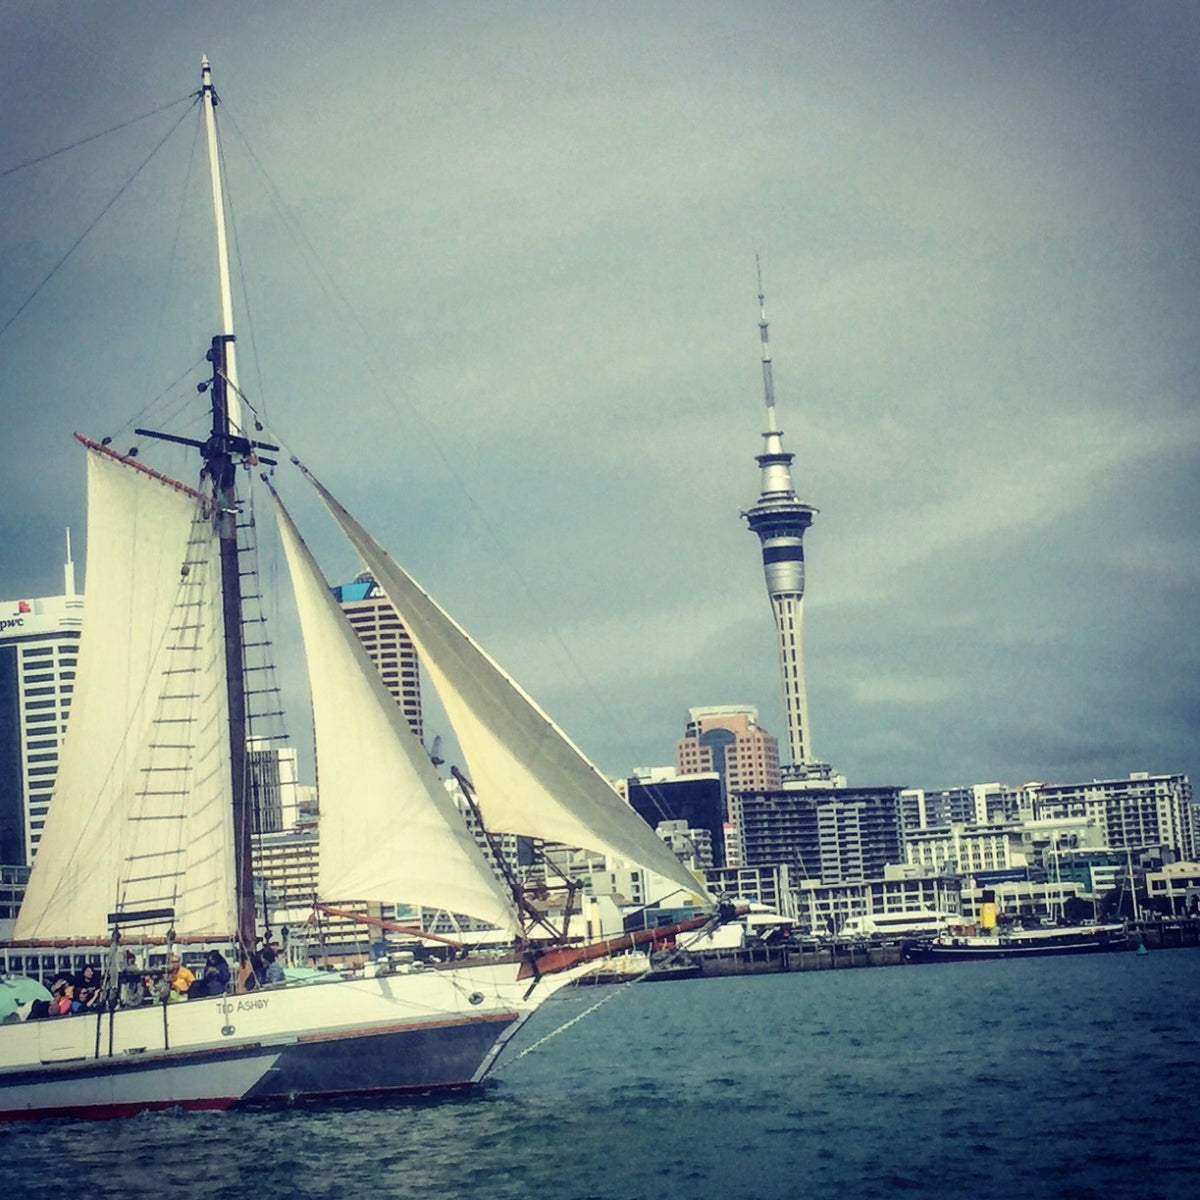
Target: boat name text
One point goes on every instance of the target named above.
(245, 1005)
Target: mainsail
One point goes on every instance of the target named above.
(528, 776)
(141, 803)
(388, 828)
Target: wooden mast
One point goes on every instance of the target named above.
(226, 441)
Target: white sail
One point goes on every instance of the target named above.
(528, 776)
(388, 828)
(141, 812)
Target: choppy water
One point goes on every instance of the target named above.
(1071, 1078)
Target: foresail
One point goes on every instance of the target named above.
(529, 777)
(140, 816)
(388, 828)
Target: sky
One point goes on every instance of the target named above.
(495, 273)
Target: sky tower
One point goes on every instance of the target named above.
(779, 520)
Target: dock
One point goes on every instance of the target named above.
(847, 955)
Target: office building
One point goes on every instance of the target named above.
(834, 835)
(274, 785)
(39, 650)
(698, 799)
(730, 743)
(386, 642)
(975, 804)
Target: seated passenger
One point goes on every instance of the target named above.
(133, 982)
(61, 995)
(181, 978)
(88, 990)
(214, 979)
(272, 969)
(249, 972)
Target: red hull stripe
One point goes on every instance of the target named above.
(106, 1112)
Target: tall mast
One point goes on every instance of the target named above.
(224, 449)
(221, 467)
(210, 100)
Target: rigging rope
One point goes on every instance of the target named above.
(99, 217)
(587, 1012)
(32, 162)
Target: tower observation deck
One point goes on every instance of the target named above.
(780, 519)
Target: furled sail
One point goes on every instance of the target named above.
(389, 829)
(528, 776)
(141, 815)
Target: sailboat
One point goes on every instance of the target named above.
(149, 830)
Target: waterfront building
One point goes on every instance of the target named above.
(693, 847)
(698, 798)
(833, 835)
(627, 886)
(1098, 872)
(1143, 810)
(386, 642)
(729, 742)
(768, 885)
(1048, 840)
(39, 649)
(962, 849)
(1175, 890)
(779, 520)
(1033, 897)
(824, 908)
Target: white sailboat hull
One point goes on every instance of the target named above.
(419, 1033)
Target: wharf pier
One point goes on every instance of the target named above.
(846, 955)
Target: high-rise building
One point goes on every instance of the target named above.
(39, 649)
(1144, 810)
(386, 642)
(274, 785)
(836, 835)
(730, 742)
(662, 794)
(779, 520)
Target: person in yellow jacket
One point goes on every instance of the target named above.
(182, 977)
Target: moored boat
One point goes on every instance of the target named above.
(1017, 943)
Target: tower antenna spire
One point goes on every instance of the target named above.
(764, 337)
(780, 519)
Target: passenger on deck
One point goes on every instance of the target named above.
(60, 995)
(133, 982)
(250, 971)
(181, 978)
(88, 992)
(214, 979)
(272, 971)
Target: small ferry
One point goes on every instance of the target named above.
(965, 944)
(898, 925)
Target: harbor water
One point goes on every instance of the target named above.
(1073, 1077)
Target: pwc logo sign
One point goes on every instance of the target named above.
(18, 619)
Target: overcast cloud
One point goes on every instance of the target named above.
(499, 265)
